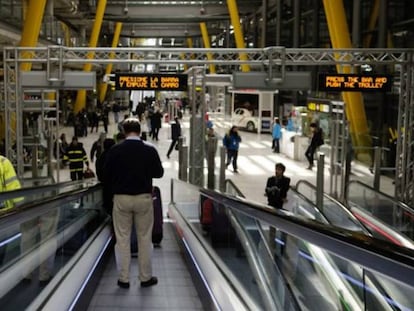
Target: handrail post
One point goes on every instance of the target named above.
(211, 154)
(182, 160)
(172, 192)
(320, 182)
(377, 168)
(222, 176)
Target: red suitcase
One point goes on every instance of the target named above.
(206, 217)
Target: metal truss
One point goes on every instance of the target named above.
(198, 57)
(404, 181)
(268, 60)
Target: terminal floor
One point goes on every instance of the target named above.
(176, 290)
(256, 161)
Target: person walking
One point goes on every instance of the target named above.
(276, 135)
(156, 123)
(59, 149)
(99, 168)
(277, 187)
(211, 139)
(94, 117)
(76, 156)
(231, 142)
(98, 147)
(116, 109)
(315, 143)
(129, 169)
(175, 134)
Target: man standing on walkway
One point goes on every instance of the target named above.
(277, 187)
(129, 169)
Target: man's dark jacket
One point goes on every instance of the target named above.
(276, 190)
(130, 167)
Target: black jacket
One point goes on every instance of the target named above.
(130, 167)
(76, 155)
(276, 190)
(317, 138)
(175, 130)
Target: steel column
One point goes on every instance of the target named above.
(100, 11)
(108, 69)
(31, 29)
(197, 125)
(206, 42)
(238, 33)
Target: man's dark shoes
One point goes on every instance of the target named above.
(123, 284)
(152, 281)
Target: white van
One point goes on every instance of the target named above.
(244, 118)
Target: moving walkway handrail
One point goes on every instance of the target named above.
(39, 189)
(12, 272)
(371, 253)
(343, 207)
(245, 240)
(388, 197)
(29, 209)
(228, 288)
(234, 187)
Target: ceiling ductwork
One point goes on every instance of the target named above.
(66, 6)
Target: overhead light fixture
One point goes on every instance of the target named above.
(126, 7)
(202, 9)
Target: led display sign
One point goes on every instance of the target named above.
(354, 83)
(150, 81)
(318, 105)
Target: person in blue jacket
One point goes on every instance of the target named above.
(276, 135)
(231, 142)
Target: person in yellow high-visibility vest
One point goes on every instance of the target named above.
(8, 182)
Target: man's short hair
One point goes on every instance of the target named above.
(313, 124)
(131, 125)
(281, 166)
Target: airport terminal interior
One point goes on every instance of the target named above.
(341, 239)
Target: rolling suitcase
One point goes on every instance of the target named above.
(221, 231)
(206, 216)
(157, 230)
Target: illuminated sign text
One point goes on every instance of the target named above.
(145, 81)
(354, 82)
